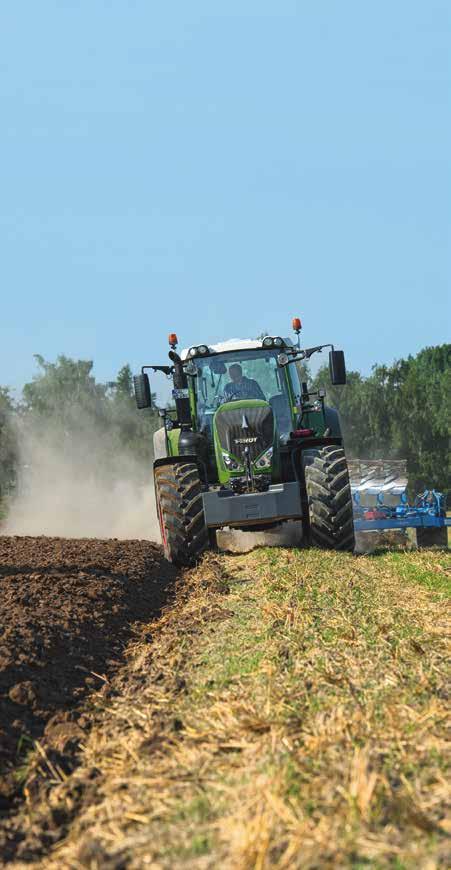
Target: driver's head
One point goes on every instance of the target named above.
(235, 373)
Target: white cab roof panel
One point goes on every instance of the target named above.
(234, 344)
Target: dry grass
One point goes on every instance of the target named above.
(288, 712)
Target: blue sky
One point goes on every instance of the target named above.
(215, 168)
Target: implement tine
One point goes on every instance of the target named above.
(374, 476)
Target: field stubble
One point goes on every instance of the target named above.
(289, 710)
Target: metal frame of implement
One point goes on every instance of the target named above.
(379, 494)
(428, 511)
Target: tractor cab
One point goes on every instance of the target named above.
(242, 405)
(238, 375)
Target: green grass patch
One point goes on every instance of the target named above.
(430, 569)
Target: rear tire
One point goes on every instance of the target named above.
(180, 511)
(330, 516)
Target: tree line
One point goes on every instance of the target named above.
(398, 411)
(401, 411)
(67, 408)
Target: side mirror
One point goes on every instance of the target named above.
(337, 367)
(143, 395)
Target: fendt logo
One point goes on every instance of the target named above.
(245, 440)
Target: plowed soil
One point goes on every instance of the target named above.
(67, 609)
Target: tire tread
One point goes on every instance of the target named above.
(329, 500)
(179, 497)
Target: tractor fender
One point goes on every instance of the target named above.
(174, 460)
(184, 458)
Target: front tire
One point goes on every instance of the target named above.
(330, 515)
(180, 509)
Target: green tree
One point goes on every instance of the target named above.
(65, 391)
(8, 441)
(421, 415)
(134, 429)
(77, 413)
(124, 382)
(400, 411)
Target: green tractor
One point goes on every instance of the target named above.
(248, 447)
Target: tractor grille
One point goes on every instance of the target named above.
(239, 428)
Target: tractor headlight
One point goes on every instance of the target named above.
(270, 341)
(265, 460)
(200, 349)
(230, 463)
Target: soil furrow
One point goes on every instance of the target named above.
(67, 610)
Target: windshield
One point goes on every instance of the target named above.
(245, 374)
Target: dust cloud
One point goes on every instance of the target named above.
(235, 541)
(88, 487)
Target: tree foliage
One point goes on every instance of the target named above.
(74, 414)
(400, 411)
(8, 442)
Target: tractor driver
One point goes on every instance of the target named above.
(241, 387)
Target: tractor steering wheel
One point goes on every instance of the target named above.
(231, 397)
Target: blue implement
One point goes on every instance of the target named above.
(427, 511)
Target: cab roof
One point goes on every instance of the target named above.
(234, 344)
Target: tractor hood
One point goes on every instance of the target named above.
(243, 429)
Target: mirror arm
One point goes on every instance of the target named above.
(167, 370)
(308, 352)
